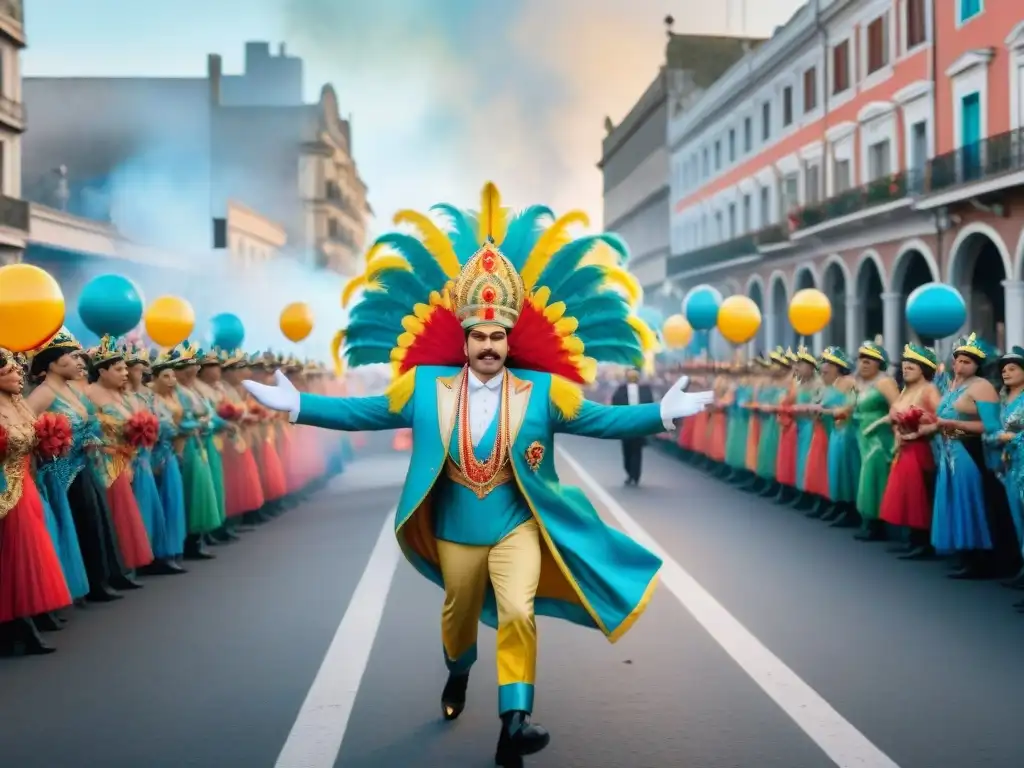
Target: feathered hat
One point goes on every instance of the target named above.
(234, 358)
(107, 351)
(975, 347)
(568, 303)
(916, 353)
(838, 357)
(187, 355)
(804, 355)
(62, 340)
(7, 357)
(209, 357)
(874, 350)
(136, 353)
(780, 357)
(1015, 355)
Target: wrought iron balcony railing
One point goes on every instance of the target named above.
(874, 193)
(719, 253)
(985, 159)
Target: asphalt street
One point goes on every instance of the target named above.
(212, 669)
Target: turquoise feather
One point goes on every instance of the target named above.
(585, 281)
(462, 234)
(608, 333)
(422, 262)
(523, 232)
(566, 259)
(621, 354)
(358, 332)
(367, 353)
(403, 287)
(583, 308)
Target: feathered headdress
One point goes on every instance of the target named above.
(108, 350)
(837, 356)
(917, 353)
(568, 302)
(874, 350)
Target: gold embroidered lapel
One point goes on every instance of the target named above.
(518, 400)
(448, 388)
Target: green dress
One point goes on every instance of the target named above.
(876, 451)
(806, 394)
(736, 433)
(214, 443)
(200, 491)
(768, 448)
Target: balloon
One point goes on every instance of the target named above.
(701, 307)
(809, 311)
(169, 320)
(110, 304)
(677, 332)
(296, 321)
(31, 307)
(227, 331)
(936, 310)
(739, 319)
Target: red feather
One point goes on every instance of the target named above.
(534, 345)
(441, 342)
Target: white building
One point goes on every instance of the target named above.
(14, 212)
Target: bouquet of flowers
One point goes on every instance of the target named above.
(911, 419)
(142, 429)
(230, 411)
(53, 436)
(259, 412)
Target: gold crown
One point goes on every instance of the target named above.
(488, 290)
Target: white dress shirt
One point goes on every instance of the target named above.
(484, 401)
(633, 393)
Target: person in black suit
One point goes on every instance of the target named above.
(632, 392)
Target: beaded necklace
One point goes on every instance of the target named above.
(480, 475)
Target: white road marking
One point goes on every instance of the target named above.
(837, 737)
(315, 739)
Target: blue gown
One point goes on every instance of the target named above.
(1011, 465)
(147, 493)
(167, 474)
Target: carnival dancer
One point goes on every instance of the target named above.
(737, 422)
(482, 513)
(217, 435)
(907, 502)
(70, 482)
(273, 479)
(169, 446)
(1009, 442)
(142, 403)
(767, 403)
(243, 494)
(758, 381)
(31, 578)
(843, 469)
(113, 461)
(785, 463)
(877, 391)
(806, 407)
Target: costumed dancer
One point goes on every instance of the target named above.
(806, 407)
(718, 417)
(108, 377)
(482, 513)
(1008, 441)
(170, 445)
(737, 425)
(273, 479)
(843, 470)
(206, 397)
(752, 416)
(875, 441)
(141, 401)
(31, 577)
(70, 482)
(785, 464)
(243, 494)
(767, 402)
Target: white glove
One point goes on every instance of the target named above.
(677, 404)
(283, 397)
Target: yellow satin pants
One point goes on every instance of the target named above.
(513, 568)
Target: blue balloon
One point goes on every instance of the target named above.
(227, 331)
(701, 307)
(110, 304)
(936, 311)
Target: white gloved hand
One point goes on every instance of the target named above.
(677, 404)
(283, 397)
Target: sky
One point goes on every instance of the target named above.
(444, 95)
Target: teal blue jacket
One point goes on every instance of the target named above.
(591, 573)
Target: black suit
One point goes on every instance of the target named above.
(633, 448)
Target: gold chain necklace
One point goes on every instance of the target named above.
(481, 474)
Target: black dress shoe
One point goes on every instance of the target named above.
(453, 697)
(519, 737)
(21, 638)
(124, 583)
(921, 552)
(162, 568)
(47, 622)
(103, 594)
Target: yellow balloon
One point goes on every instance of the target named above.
(169, 320)
(31, 307)
(677, 332)
(809, 311)
(296, 321)
(739, 319)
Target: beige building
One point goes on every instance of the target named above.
(252, 239)
(14, 212)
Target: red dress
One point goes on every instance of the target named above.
(272, 476)
(243, 491)
(31, 577)
(816, 471)
(115, 465)
(785, 467)
(908, 500)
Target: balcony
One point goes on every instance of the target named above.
(12, 113)
(852, 202)
(988, 165)
(711, 256)
(14, 214)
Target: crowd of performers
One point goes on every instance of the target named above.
(118, 462)
(933, 456)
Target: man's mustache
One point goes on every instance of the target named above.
(488, 355)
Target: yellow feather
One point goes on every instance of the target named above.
(353, 285)
(492, 216)
(587, 367)
(567, 326)
(375, 249)
(572, 345)
(617, 277)
(540, 297)
(434, 240)
(422, 311)
(400, 390)
(397, 355)
(386, 262)
(554, 312)
(566, 396)
(406, 340)
(336, 342)
(648, 338)
(553, 238)
(413, 325)
(603, 255)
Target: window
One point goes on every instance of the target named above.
(747, 204)
(707, 169)
(812, 180)
(878, 44)
(718, 227)
(841, 67)
(878, 160)
(841, 178)
(732, 145)
(787, 106)
(791, 192)
(718, 155)
(766, 207)
(766, 121)
(732, 220)
(916, 32)
(918, 153)
(810, 89)
(748, 134)
(968, 9)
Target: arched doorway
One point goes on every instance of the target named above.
(834, 287)
(870, 287)
(781, 330)
(977, 267)
(756, 294)
(914, 267)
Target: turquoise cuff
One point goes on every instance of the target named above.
(515, 697)
(461, 665)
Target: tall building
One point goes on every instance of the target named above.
(867, 148)
(162, 157)
(14, 212)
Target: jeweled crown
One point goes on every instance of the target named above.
(488, 290)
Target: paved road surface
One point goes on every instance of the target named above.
(878, 662)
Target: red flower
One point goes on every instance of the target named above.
(229, 411)
(142, 429)
(53, 435)
(911, 419)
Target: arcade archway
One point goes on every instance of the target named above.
(914, 267)
(781, 331)
(978, 266)
(870, 287)
(755, 292)
(834, 286)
